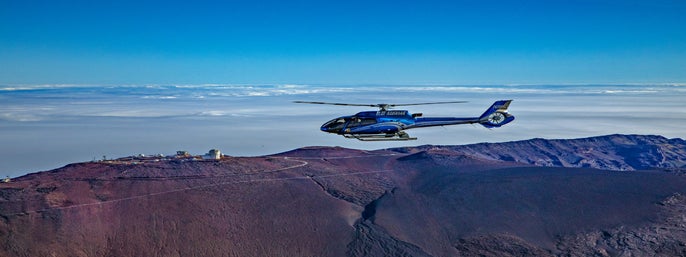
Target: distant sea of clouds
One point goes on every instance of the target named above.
(47, 126)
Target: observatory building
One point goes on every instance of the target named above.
(214, 154)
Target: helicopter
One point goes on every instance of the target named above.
(390, 125)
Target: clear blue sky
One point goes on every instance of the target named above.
(342, 42)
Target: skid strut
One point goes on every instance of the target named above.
(399, 136)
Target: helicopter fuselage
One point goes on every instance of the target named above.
(391, 123)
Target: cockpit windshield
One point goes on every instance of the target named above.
(334, 125)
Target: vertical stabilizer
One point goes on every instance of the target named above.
(496, 115)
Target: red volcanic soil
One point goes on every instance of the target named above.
(477, 200)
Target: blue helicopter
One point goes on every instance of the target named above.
(390, 125)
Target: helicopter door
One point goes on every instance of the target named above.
(359, 122)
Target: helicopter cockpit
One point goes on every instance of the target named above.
(338, 124)
(334, 126)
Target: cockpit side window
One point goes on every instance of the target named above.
(358, 122)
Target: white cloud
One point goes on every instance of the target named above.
(261, 119)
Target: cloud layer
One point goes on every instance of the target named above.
(45, 126)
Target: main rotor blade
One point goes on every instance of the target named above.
(454, 102)
(383, 107)
(344, 104)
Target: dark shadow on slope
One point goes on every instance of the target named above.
(372, 240)
(440, 207)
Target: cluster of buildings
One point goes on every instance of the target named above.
(213, 154)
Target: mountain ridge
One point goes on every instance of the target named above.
(642, 151)
(607, 196)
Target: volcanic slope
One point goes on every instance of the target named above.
(611, 152)
(510, 199)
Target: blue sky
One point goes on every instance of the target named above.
(342, 42)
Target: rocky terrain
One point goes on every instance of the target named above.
(612, 152)
(616, 195)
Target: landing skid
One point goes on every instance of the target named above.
(400, 136)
